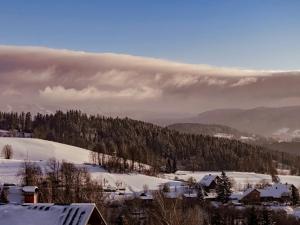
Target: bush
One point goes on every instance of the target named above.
(7, 152)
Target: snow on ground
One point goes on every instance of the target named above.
(41, 150)
(37, 149)
(241, 179)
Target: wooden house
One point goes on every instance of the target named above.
(250, 196)
(209, 182)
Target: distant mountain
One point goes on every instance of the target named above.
(282, 122)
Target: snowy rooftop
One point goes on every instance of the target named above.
(46, 214)
(30, 189)
(207, 180)
(3, 131)
(247, 192)
(276, 190)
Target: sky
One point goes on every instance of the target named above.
(257, 34)
(148, 59)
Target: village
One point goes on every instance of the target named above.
(212, 190)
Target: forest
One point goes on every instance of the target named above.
(162, 148)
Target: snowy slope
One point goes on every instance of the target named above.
(37, 149)
(41, 150)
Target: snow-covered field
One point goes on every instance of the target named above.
(37, 149)
(41, 150)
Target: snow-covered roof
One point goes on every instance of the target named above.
(211, 195)
(30, 189)
(3, 131)
(14, 194)
(47, 214)
(247, 192)
(190, 195)
(276, 191)
(236, 195)
(208, 179)
(145, 196)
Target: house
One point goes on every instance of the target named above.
(51, 214)
(277, 192)
(250, 196)
(209, 182)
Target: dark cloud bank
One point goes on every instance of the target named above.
(42, 79)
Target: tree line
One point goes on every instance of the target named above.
(162, 148)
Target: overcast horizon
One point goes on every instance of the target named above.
(148, 60)
(43, 79)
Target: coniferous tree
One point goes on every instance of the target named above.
(252, 216)
(28, 122)
(223, 188)
(295, 195)
(3, 196)
(265, 217)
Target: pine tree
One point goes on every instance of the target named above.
(265, 217)
(223, 188)
(174, 169)
(252, 217)
(28, 122)
(3, 196)
(295, 195)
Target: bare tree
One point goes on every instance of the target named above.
(30, 173)
(7, 152)
(53, 177)
(191, 183)
(165, 212)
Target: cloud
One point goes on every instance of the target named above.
(60, 94)
(48, 79)
(244, 81)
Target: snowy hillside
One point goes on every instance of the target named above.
(37, 149)
(41, 150)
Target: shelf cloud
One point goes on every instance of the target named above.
(37, 78)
